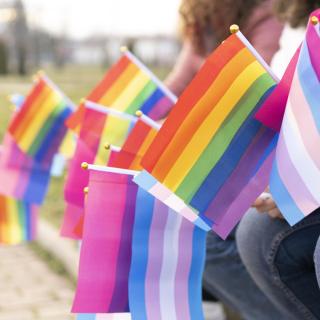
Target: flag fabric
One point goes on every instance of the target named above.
(129, 86)
(104, 316)
(38, 128)
(168, 254)
(22, 177)
(295, 178)
(105, 255)
(136, 144)
(211, 139)
(17, 221)
(94, 134)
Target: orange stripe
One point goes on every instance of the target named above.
(197, 88)
(201, 110)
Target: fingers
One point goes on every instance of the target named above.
(264, 205)
(275, 214)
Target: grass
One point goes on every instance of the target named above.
(76, 82)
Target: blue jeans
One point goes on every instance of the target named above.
(226, 277)
(279, 259)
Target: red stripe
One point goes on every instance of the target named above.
(25, 108)
(196, 89)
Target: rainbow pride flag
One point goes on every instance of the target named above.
(94, 134)
(21, 176)
(295, 178)
(38, 128)
(104, 316)
(168, 254)
(210, 149)
(129, 86)
(17, 221)
(105, 255)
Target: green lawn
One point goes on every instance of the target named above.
(76, 82)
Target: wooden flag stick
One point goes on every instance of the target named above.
(148, 120)
(87, 166)
(112, 147)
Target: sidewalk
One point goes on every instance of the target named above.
(29, 289)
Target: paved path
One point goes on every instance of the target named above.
(29, 289)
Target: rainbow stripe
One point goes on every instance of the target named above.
(17, 221)
(21, 176)
(168, 254)
(38, 128)
(90, 148)
(295, 179)
(129, 86)
(209, 134)
(106, 246)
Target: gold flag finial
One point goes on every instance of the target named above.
(85, 165)
(139, 113)
(85, 190)
(123, 49)
(107, 146)
(234, 28)
(314, 20)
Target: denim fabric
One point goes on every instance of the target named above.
(226, 277)
(280, 260)
(317, 261)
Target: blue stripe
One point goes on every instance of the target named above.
(149, 104)
(196, 271)
(283, 199)
(309, 83)
(54, 136)
(139, 261)
(145, 180)
(28, 225)
(86, 316)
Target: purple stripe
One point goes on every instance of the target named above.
(161, 109)
(183, 270)
(245, 199)
(120, 295)
(292, 180)
(240, 176)
(155, 253)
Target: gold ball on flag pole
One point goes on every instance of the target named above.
(85, 165)
(139, 113)
(123, 49)
(107, 146)
(85, 190)
(314, 20)
(234, 28)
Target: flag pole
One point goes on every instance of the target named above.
(94, 167)
(148, 120)
(155, 79)
(110, 111)
(112, 147)
(234, 29)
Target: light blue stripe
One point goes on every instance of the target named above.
(86, 316)
(283, 199)
(139, 260)
(309, 83)
(145, 180)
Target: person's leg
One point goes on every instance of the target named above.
(279, 259)
(226, 278)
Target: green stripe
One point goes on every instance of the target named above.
(222, 139)
(21, 218)
(46, 127)
(143, 95)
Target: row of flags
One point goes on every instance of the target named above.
(141, 196)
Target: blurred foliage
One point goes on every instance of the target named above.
(76, 82)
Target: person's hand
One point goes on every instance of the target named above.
(265, 204)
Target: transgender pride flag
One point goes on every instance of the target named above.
(295, 177)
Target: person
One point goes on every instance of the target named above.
(205, 24)
(279, 258)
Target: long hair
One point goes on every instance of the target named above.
(202, 16)
(296, 12)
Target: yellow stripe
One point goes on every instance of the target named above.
(114, 132)
(131, 91)
(68, 145)
(13, 219)
(38, 121)
(211, 125)
(120, 84)
(33, 109)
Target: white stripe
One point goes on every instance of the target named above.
(113, 316)
(299, 155)
(155, 79)
(112, 169)
(317, 27)
(110, 111)
(257, 55)
(169, 266)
